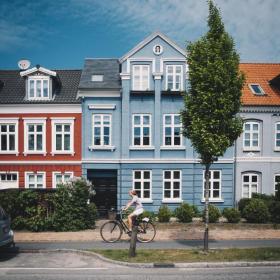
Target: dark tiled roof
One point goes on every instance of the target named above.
(13, 89)
(110, 70)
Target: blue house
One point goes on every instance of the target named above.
(132, 131)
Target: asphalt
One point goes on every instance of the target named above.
(174, 244)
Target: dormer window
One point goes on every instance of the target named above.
(256, 89)
(38, 87)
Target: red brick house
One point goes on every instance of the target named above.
(40, 127)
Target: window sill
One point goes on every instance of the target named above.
(9, 153)
(62, 153)
(146, 200)
(218, 200)
(251, 149)
(276, 149)
(172, 148)
(102, 148)
(147, 148)
(172, 201)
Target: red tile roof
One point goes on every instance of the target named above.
(260, 73)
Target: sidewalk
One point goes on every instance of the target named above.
(173, 244)
(165, 232)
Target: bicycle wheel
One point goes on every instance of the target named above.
(146, 232)
(111, 231)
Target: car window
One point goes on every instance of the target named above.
(3, 215)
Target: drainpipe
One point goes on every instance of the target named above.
(234, 175)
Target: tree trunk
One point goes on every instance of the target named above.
(206, 195)
(132, 247)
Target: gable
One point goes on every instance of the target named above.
(146, 48)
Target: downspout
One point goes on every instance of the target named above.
(120, 164)
(234, 175)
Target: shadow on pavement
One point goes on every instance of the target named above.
(8, 253)
(194, 243)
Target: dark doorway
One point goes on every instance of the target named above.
(105, 185)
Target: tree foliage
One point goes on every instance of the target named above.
(213, 97)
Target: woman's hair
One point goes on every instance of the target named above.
(133, 192)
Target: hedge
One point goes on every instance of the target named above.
(65, 209)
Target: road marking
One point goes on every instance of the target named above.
(54, 268)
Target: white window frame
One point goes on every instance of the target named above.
(142, 181)
(251, 131)
(10, 121)
(34, 121)
(211, 187)
(102, 131)
(277, 148)
(174, 74)
(8, 184)
(276, 175)
(250, 174)
(141, 86)
(36, 79)
(63, 121)
(172, 125)
(54, 182)
(142, 126)
(26, 174)
(259, 94)
(172, 180)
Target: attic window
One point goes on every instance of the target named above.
(256, 89)
(38, 87)
(97, 78)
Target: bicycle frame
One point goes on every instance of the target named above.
(122, 223)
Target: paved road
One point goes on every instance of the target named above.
(69, 273)
(183, 244)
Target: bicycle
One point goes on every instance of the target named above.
(112, 231)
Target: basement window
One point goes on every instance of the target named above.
(256, 89)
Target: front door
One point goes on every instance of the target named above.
(105, 185)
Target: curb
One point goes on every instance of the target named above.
(161, 265)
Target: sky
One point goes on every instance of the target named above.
(60, 34)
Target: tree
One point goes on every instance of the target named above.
(212, 100)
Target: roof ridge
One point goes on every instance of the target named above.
(264, 63)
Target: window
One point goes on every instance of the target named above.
(256, 89)
(251, 136)
(142, 184)
(8, 179)
(172, 130)
(277, 136)
(276, 182)
(172, 185)
(141, 76)
(35, 180)
(35, 134)
(61, 178)
(250, 184)
(101, 130)
(8, 137)
(38, 87)
(174, 77)
(215, 187)
(62, 131)
(141, 130)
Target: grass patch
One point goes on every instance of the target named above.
(167, 256)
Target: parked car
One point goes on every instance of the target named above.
(6, 234)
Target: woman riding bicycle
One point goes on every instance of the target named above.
(135, 201)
